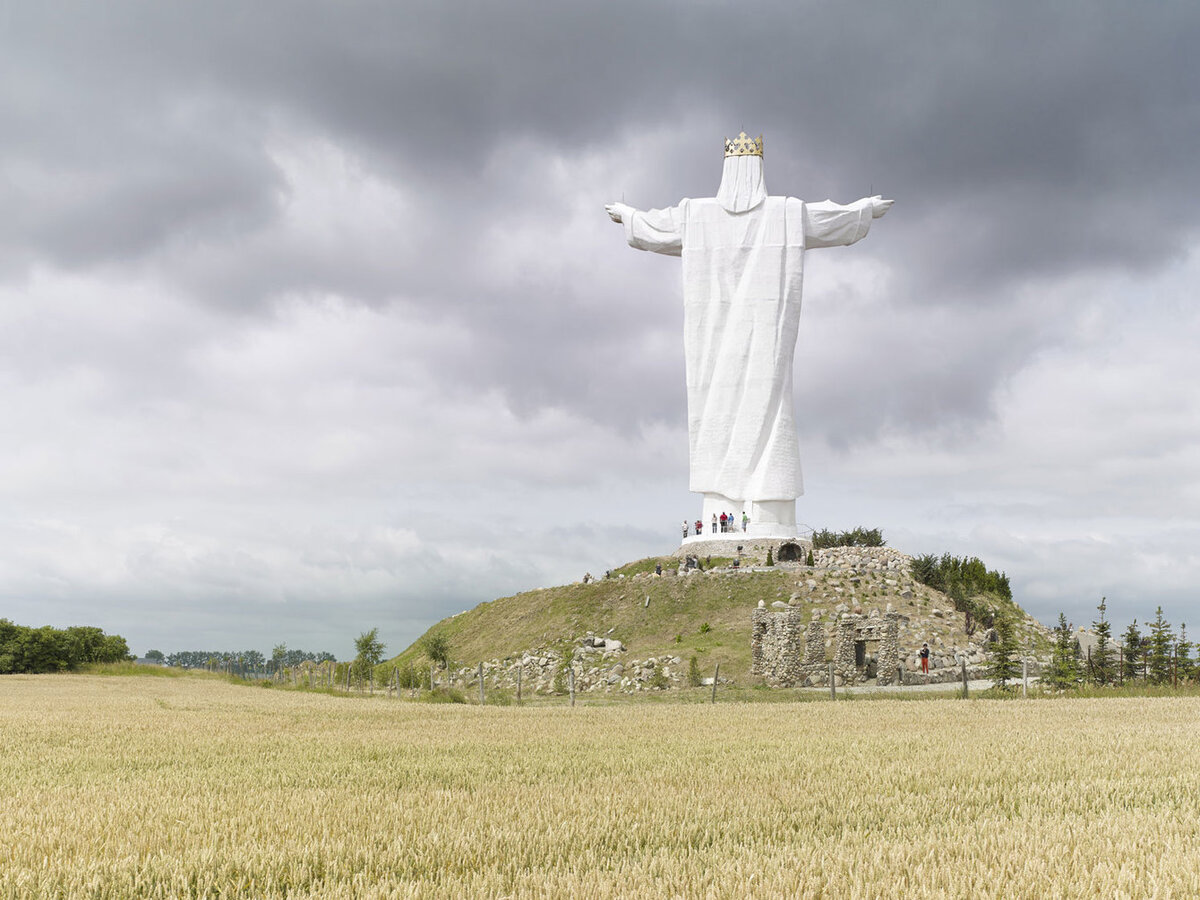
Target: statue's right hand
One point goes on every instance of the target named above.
(616, 211)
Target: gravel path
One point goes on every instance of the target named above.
(979, 684)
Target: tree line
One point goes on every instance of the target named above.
(967, 582)
(36, 650)
(1157, 656)
(245, 660)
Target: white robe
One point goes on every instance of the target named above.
(742, 278)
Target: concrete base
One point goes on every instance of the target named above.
(754, 549)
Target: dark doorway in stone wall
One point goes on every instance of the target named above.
(790, 552)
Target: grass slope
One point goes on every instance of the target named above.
(552, 617)
(674, 622)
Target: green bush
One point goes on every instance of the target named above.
(659, 680)
(855, 537)
(694, 672)
(46, 649)
(444, 695)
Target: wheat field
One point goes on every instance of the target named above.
(189, 787)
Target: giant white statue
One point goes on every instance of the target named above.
(743, 268)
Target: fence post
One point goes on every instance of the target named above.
(431, 677)
(832, 686)
(716, 677)
(571, 682)
(964, 676)
(481, 682)
(1025, 677)
(519, 668)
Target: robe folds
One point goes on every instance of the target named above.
(743, 275)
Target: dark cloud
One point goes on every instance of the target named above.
(241, 242)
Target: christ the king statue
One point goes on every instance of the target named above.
(743, 268)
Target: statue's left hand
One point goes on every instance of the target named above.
(879, 206)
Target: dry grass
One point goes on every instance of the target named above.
(156, 787)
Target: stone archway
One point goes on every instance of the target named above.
(791, 552)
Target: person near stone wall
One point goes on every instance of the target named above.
(924, 654)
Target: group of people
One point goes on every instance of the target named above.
(726, 523)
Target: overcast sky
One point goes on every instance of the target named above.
(311, 319)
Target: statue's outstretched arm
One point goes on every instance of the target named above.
(657, 230)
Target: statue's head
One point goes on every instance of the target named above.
(742, 187)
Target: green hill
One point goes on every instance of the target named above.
(705, 614)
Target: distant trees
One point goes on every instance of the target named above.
(156, 655)
(1158, 657)
(252, 660)
(46, 649)
(965, 580)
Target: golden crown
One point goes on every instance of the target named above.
(743, 146)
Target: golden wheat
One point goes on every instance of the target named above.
(139, 787)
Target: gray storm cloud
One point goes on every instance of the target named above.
(270, 265)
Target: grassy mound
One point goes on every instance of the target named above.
(706, 615)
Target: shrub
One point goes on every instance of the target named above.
(437, 647)
(855, 537)
(693, 672)
(659, 680)
(448, 695)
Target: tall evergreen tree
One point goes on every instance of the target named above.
(1158, 656)
(1102, 663)
(1183, 654)
(1063, 671)
(1131, 652)
(1004, 666)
